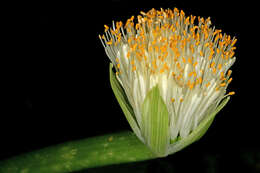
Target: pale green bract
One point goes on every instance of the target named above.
(155, 122)
(123, 101)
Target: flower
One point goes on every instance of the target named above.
(172, 73)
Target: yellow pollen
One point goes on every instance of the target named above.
(217, 31)
(201, 53)
(165, 66)
(212, 64)
(195, 63)
(184, 33)
(195, 27)
(113, 32)
(177, 24)
(106, 28)
(192, 48)
(231, 93)
(184, 60)
(187, 20)
(206, 44)
(229, 72)
(134, 46)
(190, 74)
(162, 70)
(191, 85)
(207, 85)
(179, 77)
(133, 68)
(211, 54)
(231, 54)
(192, 19)
(143, 13)
(129, 40)
(189, 60)
(218, 50)
(229, 80)
(220, 35)
(154, 64)
(137, 26)
(214, 70)
(234, 42)
(156, 48)
(128, 54)
(166, 41)
(110, 42)
(221, 75)
(223, 79)
(219, 66)
(222, 84)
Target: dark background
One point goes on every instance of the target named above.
(69, 69)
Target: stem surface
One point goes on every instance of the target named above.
(123, 147)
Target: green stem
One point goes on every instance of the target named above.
(72, 156)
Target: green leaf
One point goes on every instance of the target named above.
(199, 132)
(123, 101)
(155, 122)
(76, 155)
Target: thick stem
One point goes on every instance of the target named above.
(98, 151)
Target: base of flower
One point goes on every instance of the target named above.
(178, 144)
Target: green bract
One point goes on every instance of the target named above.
(155, 122)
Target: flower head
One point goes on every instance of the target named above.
(174, 71)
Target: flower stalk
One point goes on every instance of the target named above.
(116, 148)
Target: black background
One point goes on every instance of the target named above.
(69, 69)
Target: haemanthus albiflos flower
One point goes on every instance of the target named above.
(171, 77)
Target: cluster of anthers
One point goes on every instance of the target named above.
(187, 58)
